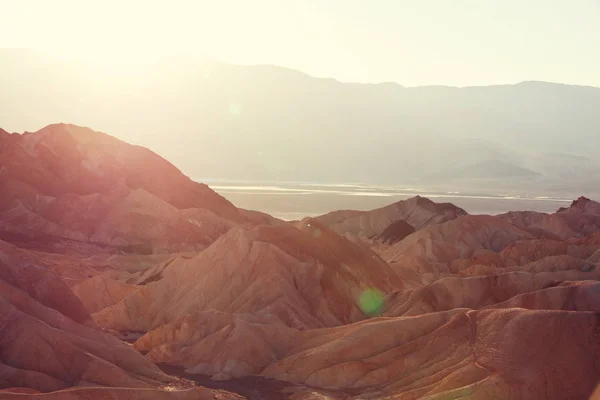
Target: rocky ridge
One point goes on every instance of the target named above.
(113, 262)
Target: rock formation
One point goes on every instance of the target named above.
(304, 277)
(67, 182)
(418, 212)
(113, 264)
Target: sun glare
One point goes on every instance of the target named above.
(109, 63)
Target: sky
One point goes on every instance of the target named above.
(413, 43)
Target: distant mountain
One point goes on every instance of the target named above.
(270, 123)
(379, 224)
(487, 169)
(563, 165)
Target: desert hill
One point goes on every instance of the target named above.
(113, 263)
(68, 182)
(418, 212)
(50, 343)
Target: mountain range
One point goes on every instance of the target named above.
(266, 123)
(122, 278)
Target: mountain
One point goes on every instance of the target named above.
(418, 212)
(49, 342)
(120, 277)
(580, 219)
(65, 182)
(488, 169)
(266, 123)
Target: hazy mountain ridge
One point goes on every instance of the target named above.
(271, 123)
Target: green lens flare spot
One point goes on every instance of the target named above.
(371, 302)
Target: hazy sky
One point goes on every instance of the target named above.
(419, 42)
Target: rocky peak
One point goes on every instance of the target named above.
(428, 204)
(583, 204)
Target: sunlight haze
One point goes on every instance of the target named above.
(239, 90)
(300, 199)
(443, 42)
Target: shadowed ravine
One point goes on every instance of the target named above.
(251, 387)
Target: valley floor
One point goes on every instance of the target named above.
(294, 201)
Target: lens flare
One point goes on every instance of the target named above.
(371, 302)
